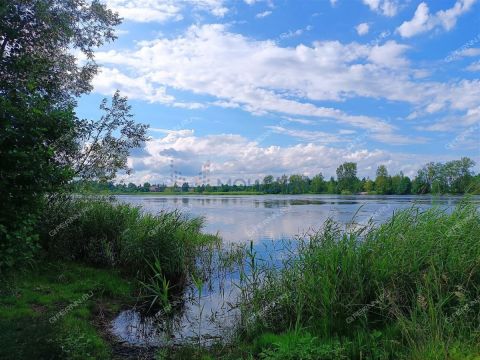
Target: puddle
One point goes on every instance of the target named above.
(201, 317)
(207, 316)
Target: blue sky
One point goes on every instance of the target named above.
(248, 88)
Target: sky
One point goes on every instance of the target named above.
(236, 90)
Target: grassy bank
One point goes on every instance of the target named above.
(96, 256)
(409, 289)
(56, 310)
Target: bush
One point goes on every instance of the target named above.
(18, 243)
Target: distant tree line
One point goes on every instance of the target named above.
(455, 177)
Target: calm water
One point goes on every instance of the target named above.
(267, 221)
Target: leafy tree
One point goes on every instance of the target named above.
(383, 181)
(185, 187)
(268, 184)
(458, 175)
(369, 186)
(401, 184)
(40, 80)
(318, 184)
(283, 184)
(331, 186)
(146, 187)
(298, 184)
(100, 152)
(347, 177)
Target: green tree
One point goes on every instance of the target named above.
(383, 181)
(268, 184)
(298, 184)
(40, 81)
(401, 184)
(459, 175)
(369, 186)
(283, 184)
(331, 186)
(318, 185)
(347, 177)
(100, 153)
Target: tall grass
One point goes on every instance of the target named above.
(103, 232)
(409, 288)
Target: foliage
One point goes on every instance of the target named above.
(157, 287)
(391, 291)
(101, 154)
(102, 232)
(40, 81)
(347, 177)
(383, 183)
(299, 345)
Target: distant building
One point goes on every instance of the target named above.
(154, 188)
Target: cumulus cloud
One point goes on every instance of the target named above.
(362, 29)
(286, 81)
(384, 7)
(165, 10)
(423, 21)
(210, 60)
(233, 157)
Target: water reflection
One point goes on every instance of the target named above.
(236, 218)
(267, 221)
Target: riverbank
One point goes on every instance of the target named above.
(253, 193)
(407, 289)
(57, 310)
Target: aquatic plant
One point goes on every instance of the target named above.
(407, 287)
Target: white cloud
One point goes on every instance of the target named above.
(110, 79)
(419, 23)
(474, 66)
(448, 18)
(262, 77)
(389, 54)
(318, 137)
(423, 21)
(164, 10)
(249, 160)
(469, 52)
(362, 29)
(252, 2)
(384, 7)
(294, 33)
(263, 14)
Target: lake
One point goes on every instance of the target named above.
(267, 222)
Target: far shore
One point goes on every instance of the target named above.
(249, 193)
